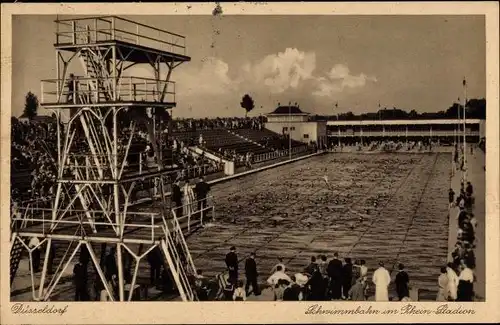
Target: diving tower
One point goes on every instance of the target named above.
(101, 113)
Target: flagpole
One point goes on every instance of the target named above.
(338, 125)
(465, 151)
(290, 130)
(457, 138)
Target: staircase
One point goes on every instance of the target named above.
(17, 246)
(178, 259)
(16, 251)
(95, 69)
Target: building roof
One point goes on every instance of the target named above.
(288, 110)
(403, 122)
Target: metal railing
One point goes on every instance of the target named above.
(31, 217)
(129, 89)
(277, 154)
(110, 28)
(207, 207)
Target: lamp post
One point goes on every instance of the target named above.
(457, 139)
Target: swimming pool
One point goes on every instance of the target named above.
(377, 207)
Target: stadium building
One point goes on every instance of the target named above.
(444, 131)
(300, 125)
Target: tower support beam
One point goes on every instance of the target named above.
(97, 141)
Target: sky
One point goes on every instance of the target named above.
(408, 62)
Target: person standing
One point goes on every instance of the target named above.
(312, 267)
(443, 286)
(80, 281)
(188, 198)
(155, 261)
(202, 188)
(110, 265)
(451, 197)
(381, 279)
(465, 289)
(84, 258)
(364, 270)
(347, 271)
(469, 190)
(34, 244)
(335, 274)
(251, 275)
(316, 286)
(52, 256)
(71, 97)
(323, 265)
(452, 282)
(232, 265)
(402, 283)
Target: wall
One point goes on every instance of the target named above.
(315, 131)
(482, 128)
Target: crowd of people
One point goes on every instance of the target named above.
(457, 280)
(321, 280)
(385, 145)
(33, 154)
(191, 124)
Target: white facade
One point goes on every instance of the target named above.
(277, 118)
(300, 131)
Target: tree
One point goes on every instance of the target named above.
(247, 103)
(30, 105)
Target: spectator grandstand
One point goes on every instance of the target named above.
(241, 140)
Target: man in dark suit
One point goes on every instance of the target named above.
(335, 273)
(232, 265)
(201, 189)
(251, 275)
(347, 271)
(155, 261)
(80, 281)
(402, 283)
(177, 199)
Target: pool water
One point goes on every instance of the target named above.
(377, 207)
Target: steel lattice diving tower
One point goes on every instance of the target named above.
(97, 166)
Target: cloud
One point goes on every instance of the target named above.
(339, 78)
(272, 75)
(282, 71)
(212, 78)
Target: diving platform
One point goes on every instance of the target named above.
(136, 42)
(143, 223)
(91, 92)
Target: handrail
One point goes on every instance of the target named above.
(103, 18)
(116, 29)
(149, 38)
(123, 77)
